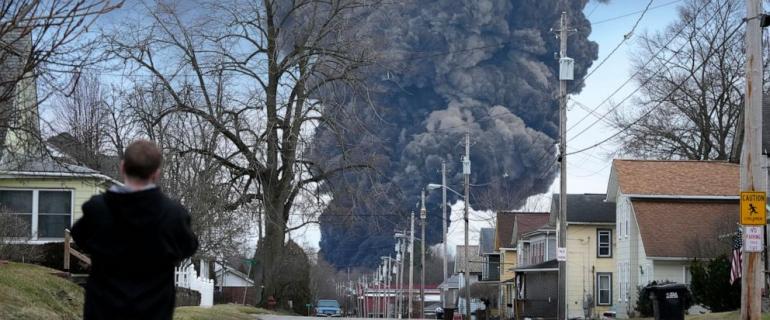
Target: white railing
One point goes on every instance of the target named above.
(187, 278)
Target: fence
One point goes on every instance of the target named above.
(187, 278)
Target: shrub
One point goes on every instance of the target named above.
(711, 285)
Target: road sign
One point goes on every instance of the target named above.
(752, 239)
(753, 211)
(561, 254)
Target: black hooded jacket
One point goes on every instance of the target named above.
(134, 239)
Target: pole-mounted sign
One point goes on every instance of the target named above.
(753, 212)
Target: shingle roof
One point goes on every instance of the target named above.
(684, 229)
(506, 222)
(690, 178)
(473, 267)
(43, 165)
(526, 223)
(486, 241)
(586, 208)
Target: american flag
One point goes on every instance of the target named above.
(736, 259)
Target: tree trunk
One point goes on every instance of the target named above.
(270, 251)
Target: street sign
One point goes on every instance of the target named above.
(752, 239)
(753, 211)
(561, 254)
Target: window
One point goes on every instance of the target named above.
(604, 243)
(604, 289)
(43, 213)
(18, 204)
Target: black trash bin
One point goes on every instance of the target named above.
(669, 301)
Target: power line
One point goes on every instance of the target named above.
(655, 107)
(632, 77)
(633, 13)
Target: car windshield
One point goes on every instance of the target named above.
(328, 303)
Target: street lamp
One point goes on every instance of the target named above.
(444, 188)
(423, 218)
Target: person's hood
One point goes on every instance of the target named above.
(135, 207)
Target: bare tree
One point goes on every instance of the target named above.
(691, 91)
(263, 83)
(39, 42)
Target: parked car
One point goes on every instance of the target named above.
(328, 308)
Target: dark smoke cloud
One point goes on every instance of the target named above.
(449, 67)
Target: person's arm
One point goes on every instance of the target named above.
(185, 241)
(83, 230)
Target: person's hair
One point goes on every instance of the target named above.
(141, 159)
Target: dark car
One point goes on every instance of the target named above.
(328, 308)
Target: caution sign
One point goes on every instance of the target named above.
(753, 211)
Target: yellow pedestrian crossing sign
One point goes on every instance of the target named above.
(753, 211)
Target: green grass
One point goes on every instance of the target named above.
(32, 292)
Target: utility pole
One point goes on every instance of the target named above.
(561, 222)
(467, 176)
(423, 219)
(445, 218)
(752, 175)
(411, 262)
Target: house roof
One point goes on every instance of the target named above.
(526, 223)
(486, 241)
(75, 152)
(474, 266)
(688, 227)
(675, 177)
(586, 208)
(549, 265)
(41, 164)
(519, 222)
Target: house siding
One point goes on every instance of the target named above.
(83, 189)
(508, 258)
(583, 265)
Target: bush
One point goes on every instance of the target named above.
(644, 303)
(711, 285)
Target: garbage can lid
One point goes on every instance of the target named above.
(670, 286)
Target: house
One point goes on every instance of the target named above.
(509, 227)
(41, 196)
(537, 274)
(591, 264)
(233, 286)
(667, 214)
(474, 265)
(490, 257)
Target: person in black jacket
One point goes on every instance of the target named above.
(135, 236)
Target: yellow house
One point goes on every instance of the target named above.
(510, 226)
(591, 265)
(41, 194)
(46, 197)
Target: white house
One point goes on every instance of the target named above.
(667, 214)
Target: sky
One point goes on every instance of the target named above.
(587, 172)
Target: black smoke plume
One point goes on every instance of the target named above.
(448, 67)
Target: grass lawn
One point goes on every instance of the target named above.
(30, 292)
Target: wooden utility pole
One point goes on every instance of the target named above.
(467, 176)
(423, 243)
(561, 222)
(411, 263)
(444, 218)
(752, 175)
